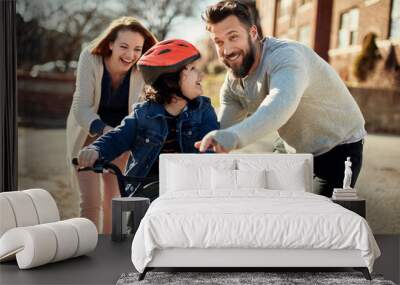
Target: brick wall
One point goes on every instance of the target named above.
(374, 16)
(266, 10)
(316, 14)
(380, 107)
(44, 101)
(288, 25)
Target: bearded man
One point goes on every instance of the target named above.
(284, 86)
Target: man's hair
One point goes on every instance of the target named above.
(163, 89)
(218, 12)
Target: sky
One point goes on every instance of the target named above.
(192, 29)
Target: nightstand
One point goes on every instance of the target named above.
(358, 206)
(127, 210)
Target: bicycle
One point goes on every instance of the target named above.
(103, 166)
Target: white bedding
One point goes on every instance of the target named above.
(251, 218)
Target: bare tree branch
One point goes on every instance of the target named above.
(57, 29)
(60, 27)
(160, 15)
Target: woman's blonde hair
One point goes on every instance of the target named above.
(100, 45)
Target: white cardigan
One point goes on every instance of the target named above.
(86, 101)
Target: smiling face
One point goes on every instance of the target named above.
(235, 44)
(190, 81)
(126, 49)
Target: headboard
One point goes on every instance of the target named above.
(277, 162)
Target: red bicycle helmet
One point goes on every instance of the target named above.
(166, 57)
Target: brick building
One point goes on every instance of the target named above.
(307, 21)
(352, 20)
(333, 28)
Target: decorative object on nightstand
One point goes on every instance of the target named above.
(346, 193)
(347, 196)
(347, 174)
(124, 209)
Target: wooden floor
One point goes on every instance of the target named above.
(110, 260)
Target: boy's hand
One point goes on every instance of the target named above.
(87, 157)
(107, 129)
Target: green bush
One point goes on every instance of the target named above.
(366, 61)
(215, 67)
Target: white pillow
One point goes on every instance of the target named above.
(293, 179)
(251, 178)
(226, 179)
(186, 175)
(223, 179)
(281, 174)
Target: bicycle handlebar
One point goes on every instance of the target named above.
(100, 165)
(97, 167)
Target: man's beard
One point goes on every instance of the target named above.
(247, 62)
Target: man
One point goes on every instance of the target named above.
(276, 85)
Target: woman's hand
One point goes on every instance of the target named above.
(87, 157)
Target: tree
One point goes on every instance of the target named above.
(58, 28)
(49, 30)
(159, 16)
(365, 62)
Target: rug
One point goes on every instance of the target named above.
(244, 278)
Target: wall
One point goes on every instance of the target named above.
(44, 101)
(380, 107)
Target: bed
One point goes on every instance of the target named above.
(247, 210)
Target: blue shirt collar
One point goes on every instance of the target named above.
(157, 110)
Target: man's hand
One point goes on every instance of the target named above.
(209, 144)
(87, 157)
(219, 141)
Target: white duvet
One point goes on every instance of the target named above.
(250, 219)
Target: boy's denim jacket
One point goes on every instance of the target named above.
(145, 130)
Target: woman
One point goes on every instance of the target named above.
(172, 119)
(107, 85)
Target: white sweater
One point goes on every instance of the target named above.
(295, 92)
(86, 100)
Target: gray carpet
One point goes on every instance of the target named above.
(243, 278)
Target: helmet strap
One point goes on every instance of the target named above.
(180, 95)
